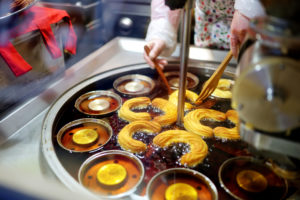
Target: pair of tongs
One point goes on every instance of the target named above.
(211, 84)
(159, 70)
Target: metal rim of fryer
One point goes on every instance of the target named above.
(18, 11)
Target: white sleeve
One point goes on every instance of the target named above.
(162, 29)
(250, 8)
(163, 25)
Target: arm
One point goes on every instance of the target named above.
(162, 32)
(244, 11)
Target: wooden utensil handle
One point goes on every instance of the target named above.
(159, 70)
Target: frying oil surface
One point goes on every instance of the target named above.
(201, 189)
(67, 139)
(249, 179)
(156, 159)
(128, 174)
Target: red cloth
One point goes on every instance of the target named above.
(36, 18)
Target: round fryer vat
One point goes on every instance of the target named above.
(54, 119)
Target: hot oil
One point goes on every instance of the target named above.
(214, 124)
(160, 187)
(275, 188)
(113, 105)
(90, 180)
(157, 159)
(103, 137)
(174, 81)
(154, 112)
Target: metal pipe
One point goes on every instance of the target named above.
(184, 56)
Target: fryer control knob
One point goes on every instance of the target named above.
(78, 3)
(125, 23)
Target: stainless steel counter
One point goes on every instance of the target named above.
(20, 131)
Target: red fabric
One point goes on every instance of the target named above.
(36, 18)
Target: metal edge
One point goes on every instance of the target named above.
(86, 67)
(5, 17)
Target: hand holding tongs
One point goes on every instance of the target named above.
(159, 70)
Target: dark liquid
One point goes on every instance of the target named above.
(90, 181)
(160, 186)
(103, 137)
(276, 188)
(113, 105)
(190, 82)
(152, 111)
(156, 159)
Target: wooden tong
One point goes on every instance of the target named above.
(211, 84)
(159, 70)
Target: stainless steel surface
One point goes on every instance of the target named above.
(184, 58)
(11, 16)
(264, 142)
(20, 130)
(45, 69)
(86, 21)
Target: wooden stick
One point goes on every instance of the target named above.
(159, 70)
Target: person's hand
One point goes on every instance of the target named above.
(238, 29)
(156, 46)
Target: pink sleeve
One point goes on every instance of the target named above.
(163, 25)
(160, 10)
(250, 8)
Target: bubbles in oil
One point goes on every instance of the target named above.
(144, 137)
